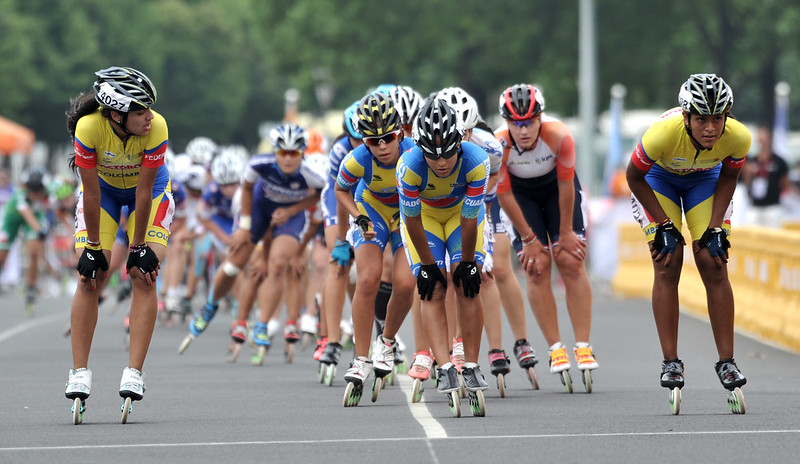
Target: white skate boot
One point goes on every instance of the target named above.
(78, 388)
(131, 388)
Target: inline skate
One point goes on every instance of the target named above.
(732, 378)
(672, 378)
(527, 360)
(559, 364)
(585, 359)
(131, 388)
(78, 389)
(356, 376)
(500, 368)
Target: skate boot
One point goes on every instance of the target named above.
(321, 343)
(458, 359)
(328, 361)
(500, 368)
(559, 364)
(420, 371)
(308, 330)
(77, 389)
(239, 336)
(672, 378)
(131, 388)
(290, 336)
(355, 377)
(527, 360)
(732, 378)
(185, 308)
(30, 300)
(399, 357)
(261, 340)
(172, 306)
(383, 356)
(450, 385)
(584, 358)
(475, 385)
(198, 325)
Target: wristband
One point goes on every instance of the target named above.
(245, 222)
(529, 239)
(93, 245)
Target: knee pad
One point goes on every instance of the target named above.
(230, 270)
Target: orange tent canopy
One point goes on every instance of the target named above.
(15, 138)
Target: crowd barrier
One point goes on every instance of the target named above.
(764, 270)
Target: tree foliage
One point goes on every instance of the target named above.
(223, 67)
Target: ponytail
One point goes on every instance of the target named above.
(79, 106)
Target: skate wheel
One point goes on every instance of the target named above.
(321, 373)
(501, 385)
(416, 391)
(587, 380)
(736, 401)
(454, 401)
(462, 391)
(258, 358)
(288, 353)
(237, 349)
(185, 343)
(330, 374)
(675, 401)
(477, 403)
(532, 377)
(566, 380)
(377, 385)
(352, 395)
(78, 409)
(126, 409)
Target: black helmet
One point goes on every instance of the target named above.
(376, 115)
(117, 88)
(35, 180)
(438, 119)
(705, 94)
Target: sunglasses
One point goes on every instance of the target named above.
(386, 138)
(445, 155)
(523, 123)
(289, 153)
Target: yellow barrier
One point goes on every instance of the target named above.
(764, 270)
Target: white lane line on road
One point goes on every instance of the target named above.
(6, 334)
(395, 439)
(433, 429)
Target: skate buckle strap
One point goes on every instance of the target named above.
(559, 357)
(497, 356)
(584, 355)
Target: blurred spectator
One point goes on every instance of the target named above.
(766, 176)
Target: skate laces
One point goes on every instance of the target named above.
(457, 356)
(473, 378)
(672, 368)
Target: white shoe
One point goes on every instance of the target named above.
(308, 324)
(132, 384)
(79, 384)
(359, 371)
(383, 355)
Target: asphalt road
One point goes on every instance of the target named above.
(200, 409)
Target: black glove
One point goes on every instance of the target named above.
(90, 261)
(42, 235)
(362, 221)
(467, 272)
(716, 240)
(143, 258)
(667, 238)
(428, 275)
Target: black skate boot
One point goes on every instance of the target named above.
(672, 373)
(729, 374)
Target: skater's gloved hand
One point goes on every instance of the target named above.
(90, 261)
(144, 258)
(716, 240)
(666, 241)
(428, 275)
(467, 272)
(42, 234)
(363, 223)
(341, 254)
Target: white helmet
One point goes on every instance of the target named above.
(201, 150)
(464, 105)
(195, 178)
(227, 167)
(181, 165)
(288, 136)
(320, 164)
(169, 161)
(407, 101)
